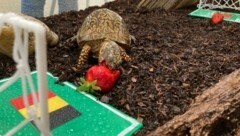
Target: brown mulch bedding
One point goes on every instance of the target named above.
(176, 57)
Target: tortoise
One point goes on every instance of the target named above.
(7, 37)
(105, 35)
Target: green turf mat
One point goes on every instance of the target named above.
(73, 113)
(207, 13)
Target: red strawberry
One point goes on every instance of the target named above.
(99, 78)
(217, 18)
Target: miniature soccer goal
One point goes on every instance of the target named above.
(219, 4)
(22, 28)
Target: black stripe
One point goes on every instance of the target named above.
(62, 116)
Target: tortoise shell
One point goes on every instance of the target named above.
(104, 24)
(51, 37)
(7, 37)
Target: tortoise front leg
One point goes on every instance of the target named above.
(83, 56)
(125, 56)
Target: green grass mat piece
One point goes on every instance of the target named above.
(95, 119)
(207, 13)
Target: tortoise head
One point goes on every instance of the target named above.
(110, 54)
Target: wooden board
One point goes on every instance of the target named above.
(165, 4)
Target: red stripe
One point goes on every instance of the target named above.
(19, 104)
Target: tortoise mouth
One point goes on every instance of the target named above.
(104, 63)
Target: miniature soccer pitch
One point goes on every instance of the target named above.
(71, 113)
(207, 13)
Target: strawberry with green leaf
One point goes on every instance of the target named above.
(99, 79)
(86, 86)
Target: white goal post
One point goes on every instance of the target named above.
(219, 4)
(21, 28)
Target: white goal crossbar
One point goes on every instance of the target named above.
(22, 28)
(219, 4)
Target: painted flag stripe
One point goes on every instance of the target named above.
(54, 103)
(19, 104)
(62, 116)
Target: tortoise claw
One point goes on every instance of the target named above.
(71, 39)
(76, 69)
(128, 59)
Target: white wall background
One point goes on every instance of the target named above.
(15, 5)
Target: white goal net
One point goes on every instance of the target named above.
(219, 4)
(22, 28)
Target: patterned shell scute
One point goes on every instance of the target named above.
(104, 23)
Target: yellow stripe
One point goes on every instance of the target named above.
(54, 103)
